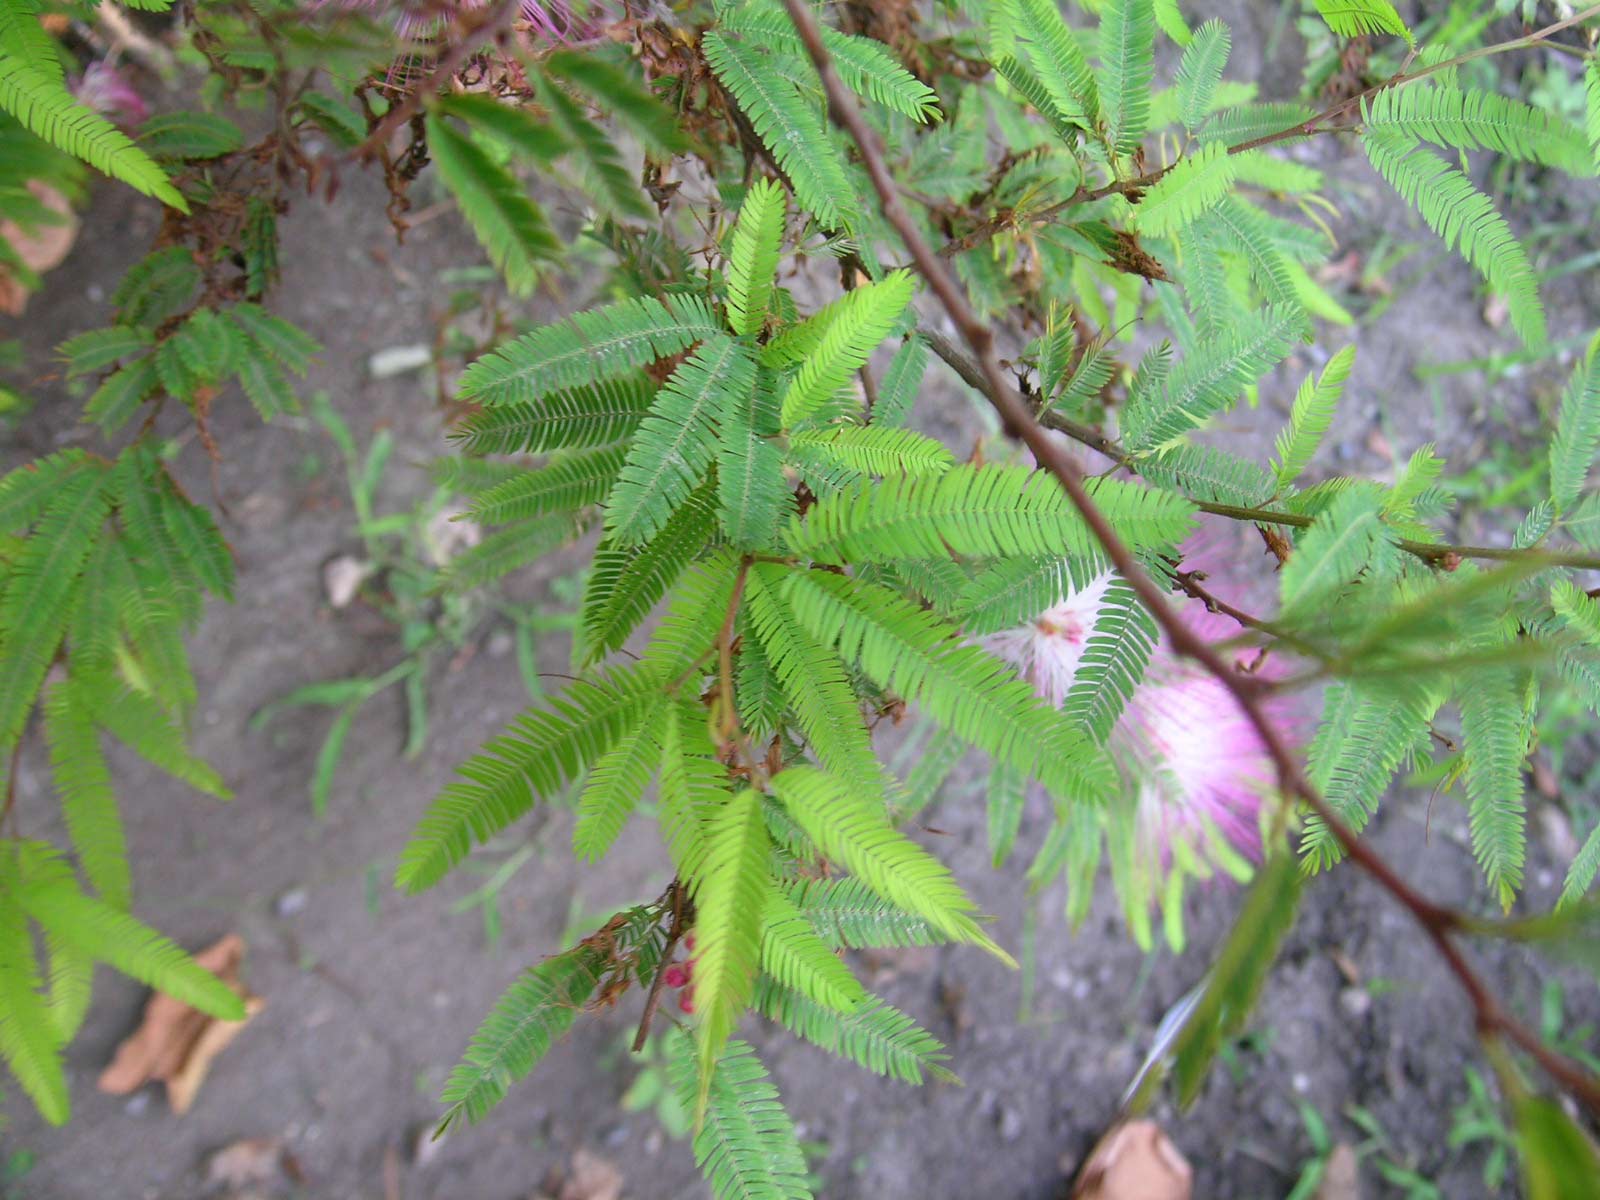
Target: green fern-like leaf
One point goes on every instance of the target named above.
(753, 260)
(730, 890)
(1472, 120)
(859, 450)
(693, 788)
(695, 616)
(968, 691)
(601, 344)
(851, 329)
(45, 107)
(102, 348)
(853, 831)
(1577, 434)
(1004, 796)
(1244, 229)
(1591, 95)
(676, 442)
(140, 723)
(1361, 18)
(752, 493)
(846, 912)
(796, 957)
(901, 383)
(83, 782)
(1053, 49)
(28, 1041)
(1015, 590)
(1492, 737)
(814, 680)
(1127, 67)
(1196, 183)
(571, 418)
(988, 511)
(622, 97)
(27, 491)
(746, 1145)
(571, 482)
(1210, 379)
(541, 752)
(1200, 71)
(51, 897)
(507, 223)
(506, 550)
(609, 181)
(876, 1036)
(864, 66)
(1464, 218)
(530, 1017)
(1365, 734)
(1208, 474)
(625, 583)
(37, 599)
(788, 126)
(615, 784)
(1314, 406)
(1113, 661)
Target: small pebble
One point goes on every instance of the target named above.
(291, 902)
(1009, 1124)
(1301, 1082)
(1356, 1001)
(397, 360)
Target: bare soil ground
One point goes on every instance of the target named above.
(371, 996)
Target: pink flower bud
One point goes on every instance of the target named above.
(677, 975)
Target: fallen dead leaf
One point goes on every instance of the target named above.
(175, 1043)
(245, 1162)
(589, 1177)
(1135, 1161)
(40, 248)
(1341, 1179)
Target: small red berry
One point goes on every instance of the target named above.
(688, 940)
(677, 975)
(686, 1000)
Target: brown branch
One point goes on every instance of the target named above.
(652, 999)
(1443, 554)
(1438, 924)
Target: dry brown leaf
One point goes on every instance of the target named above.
(1341, 1179)
(1135, 1161)
(40, 249)
(245, 1162)
(589, 1177)
(175, 1043)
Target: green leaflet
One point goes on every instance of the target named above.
(532, 1014)
(677, 440)
(1577, 433)
(788, 125)
(1127, 69)
(978, 510)
(815, 682)
(745, 1144)
(753, 260)
(1314, 406)
(510, 226)
(967, 690)
(849, 330)
(599, 345)
(853, 831)
(1200, 71)
(730, 889)
(537, 755)
(875, 1036)
(1464, 218)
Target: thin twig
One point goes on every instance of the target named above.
(1437, 923)
(652, 999)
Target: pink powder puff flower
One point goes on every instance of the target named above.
(1197, 775)
(107, 91)
(548, 20)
